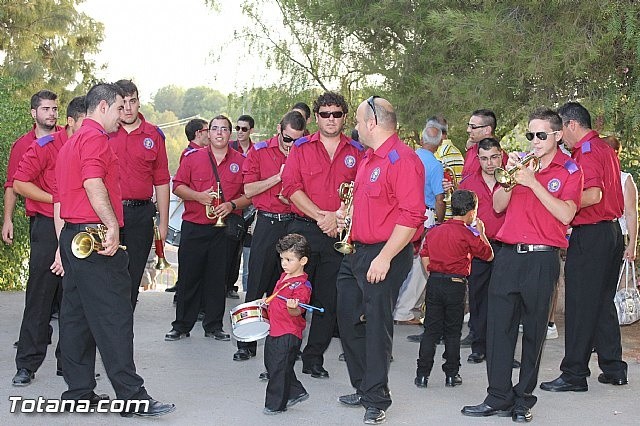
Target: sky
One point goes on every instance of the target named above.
(184, 43)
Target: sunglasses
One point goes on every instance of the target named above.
(288, 139)
(327, 114)
(477, 126)
(244, 129)
(540, 135)
(372, 103)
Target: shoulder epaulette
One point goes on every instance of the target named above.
(393, 156)
(307, 283)
(190, 151)
(473, 230)
(301, 141)
(356, 144)
(586, 147)
(260, 145)
(571, 166)
(45, 140)
(159, 130)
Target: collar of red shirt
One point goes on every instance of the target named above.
(273, 142)
(386, 147)
(93, 124)
(592, 134)
(316, 138)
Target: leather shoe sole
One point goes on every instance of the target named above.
(484, 410)
(603, 378)
(560, 385)
(218, 335)
(297, 399)
(174, 335)
(316, 372)
(243, 354)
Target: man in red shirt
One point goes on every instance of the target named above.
(44, 110)
(484, 184)
(387, 215)
(481, 125)
(316, 167)
(593, 260)
(205, 174)
(96, 308)
(262, 175)
(197, 132)
(144, 168)
(244, 128)
(537, 213)
(34, 180)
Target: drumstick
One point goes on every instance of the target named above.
(304, 305)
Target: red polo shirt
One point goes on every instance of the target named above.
(471, 162)
(492, 221)
(309, 169)
(262, 162)
(86, 155)
(389, 191)
(38, 166)
(196, 172)
(236, 145)
(527, 220)
(450, 247)
(192, 145)
(601, 169)
(281, 321)
(143, 160)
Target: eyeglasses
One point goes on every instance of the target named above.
(221, 128)
(288, 139)
(327, 114)
(201, 130)
(476, 126)
(372, 103)
(244, 129)
(492, 158)
(540, 135)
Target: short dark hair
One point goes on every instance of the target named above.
(576, 112)
(330, 98)
(295, 243)
(193, 126)
(221, 117)
(488, 143)
(303, 107)
(249, 119)
(102, 92)
(549, 115)
(463, 201)
(128, 87)
(76, 108)
(488, 118)
(37, 98)
(293, 119)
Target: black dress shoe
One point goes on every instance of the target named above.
(272, 412)
(467, 341)
(516, 364)
(23, 377)
(15, 344)
(421, 381)
(452, 381)
(560, 385)
(374, 416)
(155, 409)
(475, 358)
(175, 335)
(416, 338)
(341, 357)
(316, 371)
(232, 294)
(94, 399)
(521, 414)
(264, 375)
(603, 378)
(218, 335)
(352, 400)
(243, 354)
(484, 410)
(299, 356)
(171, 289)
(302, 397)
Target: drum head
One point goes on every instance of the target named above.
(252, 331)
(176, 208)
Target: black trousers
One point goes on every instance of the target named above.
(42, 285)
(137, 235)
(279, 358)
(96, 312)
(591, 277)
(202, 257)
(367, 344)
(234, 257)
(264, 262)
(521, 288)
(444, 317)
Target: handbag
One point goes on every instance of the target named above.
(627, 298)
(235, 228)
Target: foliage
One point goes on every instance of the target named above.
(203, 101)
(15, 121)
(169, 98)
(173, 130)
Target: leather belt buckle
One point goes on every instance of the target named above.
(524, 248)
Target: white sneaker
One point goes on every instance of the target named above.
(552, 332)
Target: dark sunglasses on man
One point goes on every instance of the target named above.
(244, 129)
(327, 114)
(540, 135)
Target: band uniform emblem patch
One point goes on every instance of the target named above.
(375, 174)
(148, 143)
(554, 185)
(234, 168)
(350, 161)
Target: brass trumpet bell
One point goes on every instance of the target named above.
(450, 175)
(506, 179)
(83, 244)
(344, 247)
(345, 192)
(161, 264)
(210, 209)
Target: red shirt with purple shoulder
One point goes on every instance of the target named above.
(262, 162)
(279, 318)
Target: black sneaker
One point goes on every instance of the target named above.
(374, 416)
(352, 400)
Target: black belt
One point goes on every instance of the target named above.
(304, 219)
(280, 217)
(526, 248)
(496, 243)
(456, 278)
(135, 203)
(80, 226)
(597, 223)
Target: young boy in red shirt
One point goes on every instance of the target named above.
(446, 253)
(285, 317)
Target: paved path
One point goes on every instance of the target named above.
(199, 376)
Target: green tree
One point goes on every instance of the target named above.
(169, 98)
(204, 102)
(173, 129)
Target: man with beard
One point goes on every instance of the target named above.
(316, 167)
(142, 157)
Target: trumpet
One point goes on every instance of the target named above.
(210, 209)
(450, 175)
(506, 177)
(161, 260)
(86, 242)
(346, 195)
